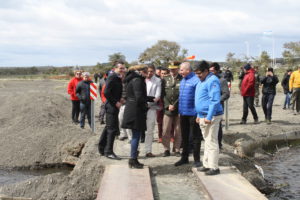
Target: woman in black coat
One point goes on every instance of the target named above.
(136, 109)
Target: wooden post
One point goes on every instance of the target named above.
(226, 115)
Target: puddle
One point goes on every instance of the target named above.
(13, 176)
(273, 146)
(177, 187)
(284, 172)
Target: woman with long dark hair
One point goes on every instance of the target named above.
(135, 109)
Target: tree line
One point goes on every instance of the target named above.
(160, 54)
(46, 70)
(289, 60)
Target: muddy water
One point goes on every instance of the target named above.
(177, 187)
(284, 171)
(10, 177)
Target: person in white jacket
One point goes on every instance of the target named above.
(153, 89)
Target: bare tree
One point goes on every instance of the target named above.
(116, 57)
(293, 47)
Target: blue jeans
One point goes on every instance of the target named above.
(85, 109)
(135, 143)
(267, 104)
(287, 100)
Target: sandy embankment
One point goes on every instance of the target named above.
(36, 132)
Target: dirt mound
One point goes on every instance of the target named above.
(36, 131)
(82, 183)
(35, 121)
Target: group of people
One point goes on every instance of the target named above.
(249, 87)
(187, 105)
(189, 102)
(79, 91)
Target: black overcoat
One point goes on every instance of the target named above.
(136, 102)
(113, 93)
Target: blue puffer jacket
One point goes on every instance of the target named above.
(187, 95)
(207, 97)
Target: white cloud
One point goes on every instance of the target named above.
(94, 29)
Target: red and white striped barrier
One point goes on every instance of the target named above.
(93, 91)
(229, 85)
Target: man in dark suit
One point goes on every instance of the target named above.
(113, 94)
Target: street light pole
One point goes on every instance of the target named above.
(259, 53)
(273, 49)
(247, 49)
(259, 49)
(268, 34)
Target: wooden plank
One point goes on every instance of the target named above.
(228, 185)
(71, 160)
(119, 182)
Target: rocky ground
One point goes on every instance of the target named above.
(36, 132)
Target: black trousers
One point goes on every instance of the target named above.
(102, 112)
(249, 103)
(109, 133)
(188, 124)
(75, 110)
(296, 99)
(267, 104)
(220, 133)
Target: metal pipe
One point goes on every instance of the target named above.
(226, 115)
(92, 116)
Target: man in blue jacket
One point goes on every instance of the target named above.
(188, 115)
(209, 114)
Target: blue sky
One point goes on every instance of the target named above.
(84, 32)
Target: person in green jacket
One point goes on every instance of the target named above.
(171, 116)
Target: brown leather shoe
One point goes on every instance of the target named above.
(150, 155)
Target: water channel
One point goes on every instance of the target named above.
(14, 176)
(283, 170)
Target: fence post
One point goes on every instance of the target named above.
(226, 115)
(93, 97)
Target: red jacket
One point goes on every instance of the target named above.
(103, 98)
(248, 84)
(72, 88)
